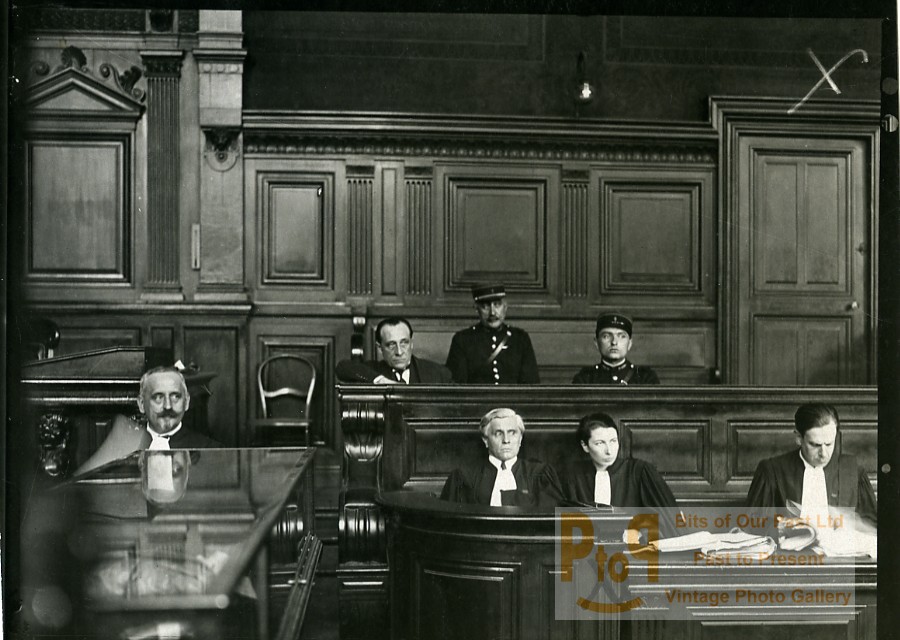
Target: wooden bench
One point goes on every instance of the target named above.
(706, 441)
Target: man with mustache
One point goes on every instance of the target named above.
(503, 478)
(813, 477)
(613, 340)
(492, 352)
(163, 399)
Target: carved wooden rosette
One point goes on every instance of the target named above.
(54, 438)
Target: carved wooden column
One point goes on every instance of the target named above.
(163, 71)
(360, 184)
(218, 241)
(419, 190)
(575, 230)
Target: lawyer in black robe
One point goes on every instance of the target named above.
(537, 484)
(632, 482)
(780, 479)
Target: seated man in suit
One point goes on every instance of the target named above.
(604, 478)
(812, 477)
(394, 337)
(613, 339)
(163, 399)
(503, 479)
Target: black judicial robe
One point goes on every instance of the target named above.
(421, 371)
(470, 348)
(536, 484)
(632, 483)
(780, 479)
(186, 439)
(625, 373)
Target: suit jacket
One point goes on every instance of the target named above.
(780, 479)
(536, 484)
(421, 371)
(625, 373)
(470, 348)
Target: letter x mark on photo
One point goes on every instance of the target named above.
(826, 75)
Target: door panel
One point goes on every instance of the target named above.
(803, 212)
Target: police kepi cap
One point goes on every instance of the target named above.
(614, 321)
(488, 292)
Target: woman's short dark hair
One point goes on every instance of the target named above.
(814, 414)
(590, 422)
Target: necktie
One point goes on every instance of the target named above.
(505, 481)
(602, 491)
(815, 495)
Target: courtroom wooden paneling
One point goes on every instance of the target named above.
(218, 348)
(657, 236)
(809, 350)
(79, 210)
(79, 177)
(296, 230)
(296, 214)
(799, 200)
(420, 225)
(500, 225)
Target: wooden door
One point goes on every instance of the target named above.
(803, 247)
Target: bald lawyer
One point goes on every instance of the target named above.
(503, 478)
(816, 475)
(613, 337)
(491, 351)
(394, 337)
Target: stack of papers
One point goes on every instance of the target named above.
(732, 543)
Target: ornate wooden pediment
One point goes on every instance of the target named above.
(73, 90)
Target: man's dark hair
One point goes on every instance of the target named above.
(393, 321)
(814, 414)
(590, 422)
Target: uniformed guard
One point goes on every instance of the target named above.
(492, 352)
(613, 340)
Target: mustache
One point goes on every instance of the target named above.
(167, 413)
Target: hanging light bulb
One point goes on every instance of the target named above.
(584, 90)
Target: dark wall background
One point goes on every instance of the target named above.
(645, 68)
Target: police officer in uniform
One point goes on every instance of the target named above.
(613, 340)
(492, 352)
